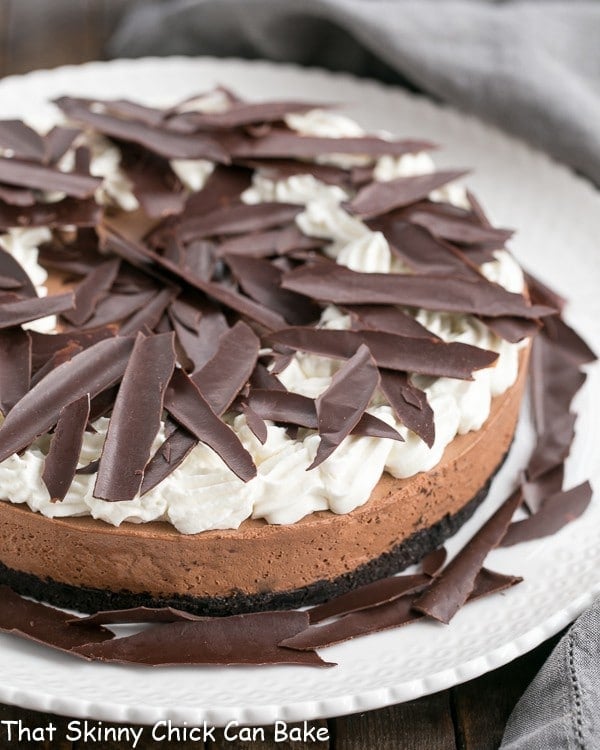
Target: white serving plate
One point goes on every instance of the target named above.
(557, 216)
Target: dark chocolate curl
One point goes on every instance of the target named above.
(45, 345)
(261, 280)
(381, 197)
(61, 462)
(10, 268)
(186, 404)
(158, 140)
(21, 140)
(39, 177)
(45, 625)
(15, 367)
(451, 589)
(91, 371)
(136, 416)
(418, 355)
(334, 283)
(341, 406)
(240, 639)
(134, 615)
(33, 308)
(223, 377)
(285, 144)
(239, 114)
(409, 404)
(89, 291)
(67, 212)
(238, 219)
(556, 511)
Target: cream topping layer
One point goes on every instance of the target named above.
(203, 493)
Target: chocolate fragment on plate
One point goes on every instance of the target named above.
(91, 371)
(370, 595)
(65, 446)
(15, 367)
(240, 639)
(452, 587)
(45, 625)
(433, 563)
(134, 615)
(136, 417)
(556, 511)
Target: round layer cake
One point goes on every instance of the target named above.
(288, 360)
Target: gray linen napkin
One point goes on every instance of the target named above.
(530, 67)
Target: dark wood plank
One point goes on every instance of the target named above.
(424, 724)
(39, 34)
(310, 735)
(481, 707)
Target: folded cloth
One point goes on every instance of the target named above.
(560, 709)
(532, 67)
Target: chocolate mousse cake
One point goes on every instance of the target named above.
(251, 356)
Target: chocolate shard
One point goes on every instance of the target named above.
(61, 462)
(340, 285)
(433, 563)
(371, 426)
(237, 219)
(568, 341)
(200, 342)
(157, 140)
(239, 114)
(261, 280)
(423, 356)
(45, 625)
(57, 142)
(281, 169)
(536, 491)
(555, 379)
(556, 511)
(340, 407)
(255, 423)
(150, 314)
(409, 404)
(45, 345)
(67, 212)
(511, 328)
(22, 141)
(7, 283)
(444, 221)
(542, 293)
(268, 243)
(451, 589)
(136, 416)
(167, 458)
(113, 308)
(285, 144)
(280, 405)
(15, 367)
(187, 406)
(370, 595)
(33, 308)
(392, 614)
(379, 198)
(40, 177)
(89, 291)
(239, 639)
(490, 582)
(10, 268)
(156, 186)
(91, 371)
(223, 377)
(134, 615)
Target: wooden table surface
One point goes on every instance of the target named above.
(44, 34)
